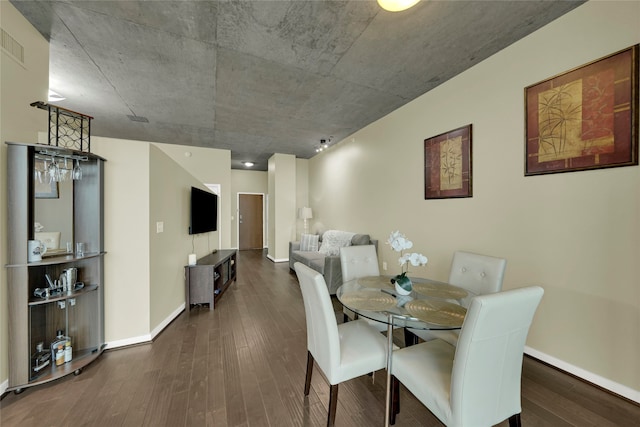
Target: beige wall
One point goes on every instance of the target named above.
(302, 193)
(576, 234)
(282, 205)
(20, 85)
(170, 193)
(144, 269)
(127, 231)
(208, 166)
(246, 181)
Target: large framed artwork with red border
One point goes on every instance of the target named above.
(447, 165)
(586, 118)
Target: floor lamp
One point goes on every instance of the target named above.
(305, 214)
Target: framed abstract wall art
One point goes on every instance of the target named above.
(447, 165)
(586, 118)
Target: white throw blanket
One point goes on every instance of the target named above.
(333, 240)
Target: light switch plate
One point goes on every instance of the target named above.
(159, 227)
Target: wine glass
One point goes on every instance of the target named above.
(38, 174)
(53, 170)
(63, 171)
(76, 174)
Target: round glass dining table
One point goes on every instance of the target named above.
(431, 305)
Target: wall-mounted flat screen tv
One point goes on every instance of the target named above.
(204, 211)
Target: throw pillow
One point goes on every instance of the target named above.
(309, 242)
(333, 240)
(361, 239)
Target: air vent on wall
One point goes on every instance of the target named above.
(12, 47)
(138, 119)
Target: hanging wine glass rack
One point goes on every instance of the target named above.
(67, 128)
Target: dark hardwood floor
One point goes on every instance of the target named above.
(243, 364)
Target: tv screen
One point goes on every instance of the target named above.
(204, 211)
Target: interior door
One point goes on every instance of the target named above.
(250, 220)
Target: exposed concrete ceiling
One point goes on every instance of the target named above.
(263, 77)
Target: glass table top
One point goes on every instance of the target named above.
(431, 305)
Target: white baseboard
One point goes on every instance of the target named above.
(4, 386)
(143, 339)
(168, 320)
(278, 259)
(605, 383)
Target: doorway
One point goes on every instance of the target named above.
(250, 221)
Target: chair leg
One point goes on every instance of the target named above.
(395, 400)
(333, 405)
(514, 421)
(307, 381)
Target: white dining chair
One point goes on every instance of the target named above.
(342, 352)
(480, 274)
(476, 383)
(356, 262)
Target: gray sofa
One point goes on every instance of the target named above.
(328, 266)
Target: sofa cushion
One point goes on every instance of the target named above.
(309, 242)
(318, 264)
(333, 240)
(308, 257)
(360, 239)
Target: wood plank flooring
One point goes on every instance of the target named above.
(243, 364)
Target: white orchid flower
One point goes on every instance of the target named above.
(394, 235)
(399, 242)
(417, 259)
(414, 258)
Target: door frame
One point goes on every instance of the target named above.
(217, 190)
(265, 244)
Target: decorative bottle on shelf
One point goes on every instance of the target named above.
(68, 351)
(61, 339)
(40, 359)
(60, 355)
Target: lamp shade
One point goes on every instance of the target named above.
(306, 213)
(396, 5)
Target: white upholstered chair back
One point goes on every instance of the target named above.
(480, 274)
(323, 340)
(487, 366)
(358, 261)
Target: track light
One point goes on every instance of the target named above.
(324, 144)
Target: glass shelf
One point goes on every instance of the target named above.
(62, 297)
(57, 260)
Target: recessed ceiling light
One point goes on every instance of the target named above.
(248, 164)
(396, 5)
(55, 97)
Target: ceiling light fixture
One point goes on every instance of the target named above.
(396, 5)
(248, 164)
(55, 97)
(324, 144)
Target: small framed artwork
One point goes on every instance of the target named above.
(46, 190)
(44, 187)
(447, 165)
(586, 118)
